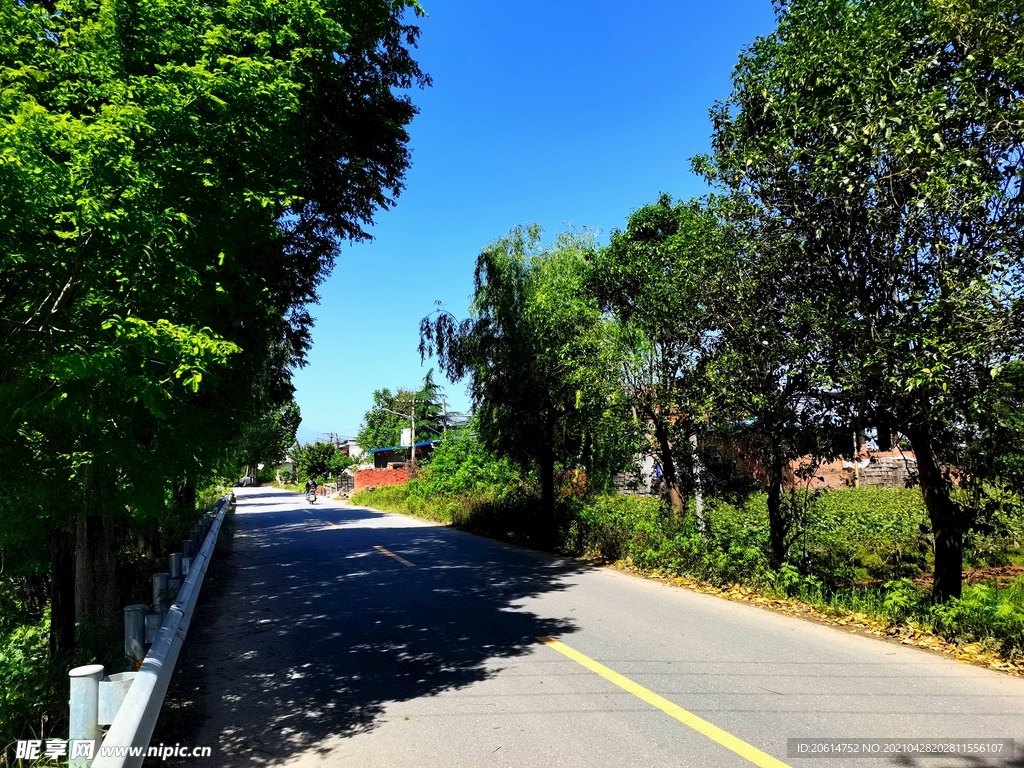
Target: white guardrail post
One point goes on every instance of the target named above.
(85, 702)
(138, 696)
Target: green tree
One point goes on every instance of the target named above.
(432, 416)
(661, 281)
(535, 350)
(773, 400)
(314, 461)
(175, 179)
(882, 140)
(267, 438)
(382, 424)
(340, 462)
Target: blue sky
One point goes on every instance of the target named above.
(545, 111)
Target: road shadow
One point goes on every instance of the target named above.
(246, 495)
(309, 631)
(962, 761)
(253, 504)
(966, 761)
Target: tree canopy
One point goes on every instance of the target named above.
(175, 179)
(381, 428)
(662, 280)
(880, 141)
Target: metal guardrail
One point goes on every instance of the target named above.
(135, 718)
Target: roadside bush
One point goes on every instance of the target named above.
(398, 498)
(461, 466)
(643, 530)
(466, 485)
(512, 516)
(985, 612)
(615, 527)
(902, 601)
(34, 688)
(31, 687)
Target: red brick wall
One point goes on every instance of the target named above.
(380, 477)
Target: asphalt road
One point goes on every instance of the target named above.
(334, 635)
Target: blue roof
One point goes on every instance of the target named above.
(424, 444)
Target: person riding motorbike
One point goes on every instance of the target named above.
(311, 489)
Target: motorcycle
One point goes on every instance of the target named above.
(311, 497)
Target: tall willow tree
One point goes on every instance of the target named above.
(882, 139)
(535, 351)
(175, 177)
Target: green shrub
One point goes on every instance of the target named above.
(645, 531)
(902, 601)
(615, 527)
(34, 687)
(31, 688)
(461, 466)
(397, 498)
(464, 484)
(984, 612)
(512, 516)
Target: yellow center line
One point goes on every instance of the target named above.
(713, 732)
(389, 553)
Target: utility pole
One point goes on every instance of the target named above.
(412, 435)
(412, 431)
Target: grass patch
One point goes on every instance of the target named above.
(396, 498)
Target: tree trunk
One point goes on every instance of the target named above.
(547, 485)
(668, 468)
(36, 594)
(147, 541)
(185, 495)
(778, 525)
(546, 523)
(62, 591)
(946, 527)
(96, 550)
(884, 431)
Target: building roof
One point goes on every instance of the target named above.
(391, 448)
